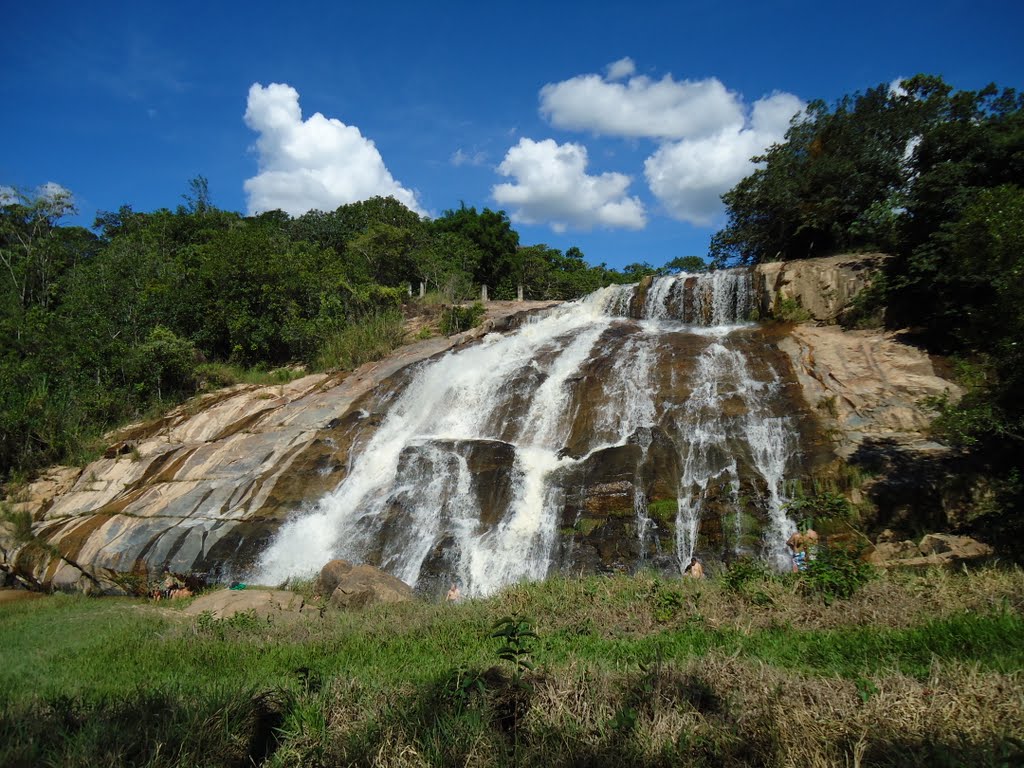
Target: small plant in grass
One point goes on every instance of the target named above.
(865, 689)
(516, 635)
(665, 602)
(462, 686)
(241, 623)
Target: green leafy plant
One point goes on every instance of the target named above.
(822, 504)
(456, 319)
(665, 602)
(789, 310)
(516, 638)
(836, 572)
(742, 573)
(462, 686)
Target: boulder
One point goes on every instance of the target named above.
(894, 550)
(956, 547)
(824, 287)
(936, 550)
(330, 576)
(365, 585)
(266, 603)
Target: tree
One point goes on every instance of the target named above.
(448, 262)
(689, 264)
(491, 232)
(829, 185)
(35, 252)
(387, 252)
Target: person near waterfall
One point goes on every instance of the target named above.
(802, 548)
(694, 570)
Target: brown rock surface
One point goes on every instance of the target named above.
(958, 547)
(934, 550)
(824, 286)
(266, 603)
(202, 489)
(895, 550)
(867, 382)
(365, 585)
(329, 577)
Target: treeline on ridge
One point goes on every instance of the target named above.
(934, 177)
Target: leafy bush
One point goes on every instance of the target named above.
(789, 310)
(456, 319)
(836, 572)
(744, 572)
(820, 505)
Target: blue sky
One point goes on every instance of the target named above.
(610, 126)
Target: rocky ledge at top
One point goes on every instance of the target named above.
(205, 485)
(209, 483)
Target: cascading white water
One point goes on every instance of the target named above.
(411, 495)
(706, 429)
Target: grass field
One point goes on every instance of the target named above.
(913, 669)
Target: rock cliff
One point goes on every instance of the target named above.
(203, 489)
(200, 490)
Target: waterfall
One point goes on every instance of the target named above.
(466, 477)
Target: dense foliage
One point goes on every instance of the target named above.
(936, 178)
(102, 326)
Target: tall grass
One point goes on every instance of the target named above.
(370, 338)
(626, 671)
(216, 375)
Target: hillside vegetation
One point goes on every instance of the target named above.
(744, 670)
(935, 177)
(104, 326)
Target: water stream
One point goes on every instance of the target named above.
(470, 472)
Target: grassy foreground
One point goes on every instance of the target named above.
(914, 669)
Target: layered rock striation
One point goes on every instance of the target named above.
(636, 438)
(201, 490)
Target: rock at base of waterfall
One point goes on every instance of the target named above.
(958, 547)
(934, 550)
(895, 550)
(330, 576)
(269, 604)
(365, 585)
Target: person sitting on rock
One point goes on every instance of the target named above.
(694, 570)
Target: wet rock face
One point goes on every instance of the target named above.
(623, 503)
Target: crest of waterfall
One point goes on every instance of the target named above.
(479, 456)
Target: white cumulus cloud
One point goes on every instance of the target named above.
(640, 106)
(551, 186)
(624, 67)
(315, 163)
(689, 176)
